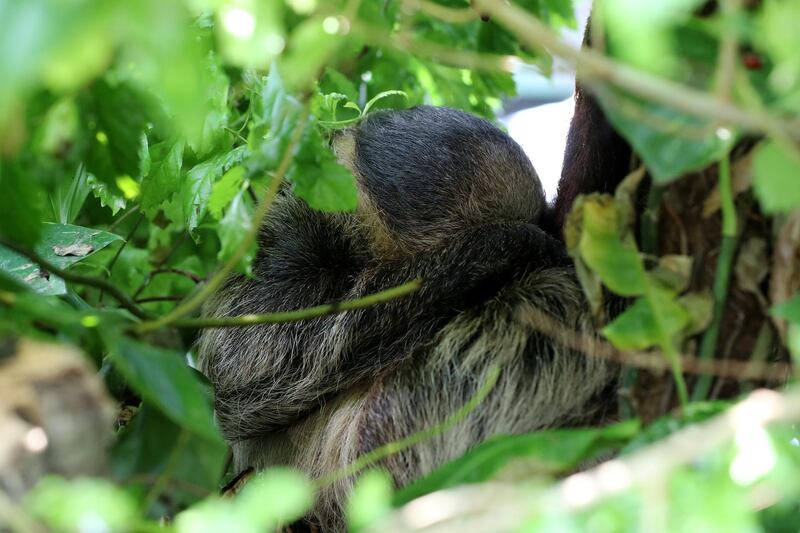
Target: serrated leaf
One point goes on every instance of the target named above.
(380, 96)
(108, 197)
(275, 115)
(224, 190)
(164, 178)
(550, 452)
(163, 378)
(198, 184)
(232, 230)
(776, 178)
(212, 134)
(121, 114)
(55, 244)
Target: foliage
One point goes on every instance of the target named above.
(138, 140)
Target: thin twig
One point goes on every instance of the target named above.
(593, 67)
(301, 314)
(453, 15)
(119, 251)
(151, 299)
(125, 215)
(594, 347)
(427, 49)
(99, 283)
(196, 299)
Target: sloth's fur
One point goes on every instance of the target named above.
(448, 198)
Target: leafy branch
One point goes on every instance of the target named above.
(196, 299)
(594, 67)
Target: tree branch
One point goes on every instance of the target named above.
(593, 67)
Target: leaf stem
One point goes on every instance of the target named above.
(301, 314)
(722, 278)
(98, 283)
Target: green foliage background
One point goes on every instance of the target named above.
(137, 138)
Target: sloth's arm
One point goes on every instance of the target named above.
(269, 376)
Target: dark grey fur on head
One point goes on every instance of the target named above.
(315, 395)
(432, 170)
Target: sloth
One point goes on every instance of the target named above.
(444, 197)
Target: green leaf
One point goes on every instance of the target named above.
(108, 196)
(319, 179)
(614, 258)
(122, 114)
(164, 178)
(152, 445)
(370, 500)
(289, 493)
(547, 452)
(275, 115)
(61, 244)
(163, 378)
(329, 187)
(776, 178)
(274, 498)
(21, 205)
(233, 229)
(789, 310)
(68, 198)
(71, 505)
(199, 181)
(380, 96)
(648, 321)
(224, 190)
(670, 143)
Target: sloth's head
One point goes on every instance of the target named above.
(427, 172)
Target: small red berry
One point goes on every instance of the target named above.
(752, 61)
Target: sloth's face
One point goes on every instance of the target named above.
(426, 172)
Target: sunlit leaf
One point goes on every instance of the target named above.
(71, 505)
(164, 178)
(546, 452)
(224, 190)
(370, 500)
(776, 178)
